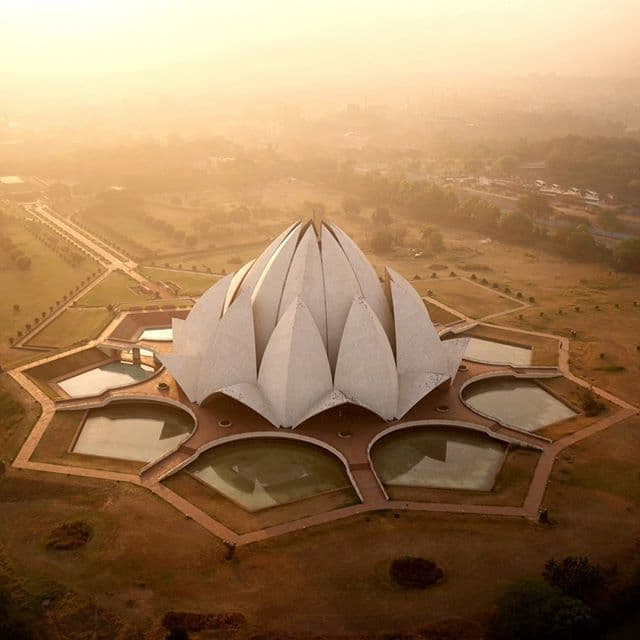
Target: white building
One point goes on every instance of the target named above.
(308, 326)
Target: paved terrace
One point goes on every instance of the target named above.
(325, 430)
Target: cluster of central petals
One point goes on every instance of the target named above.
(308, 326)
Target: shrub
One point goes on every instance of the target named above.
(575, 576)
(591, 404)
(71, 535)
(533, 610)
(201, 621)
(382, 241)
(415, 573)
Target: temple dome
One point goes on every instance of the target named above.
(308, 326)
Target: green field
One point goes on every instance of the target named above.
(116, 288)
(34, 289)
(74, 325)
(190, 283)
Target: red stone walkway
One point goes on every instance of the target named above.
(372, 494)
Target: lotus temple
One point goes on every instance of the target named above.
(307, 387)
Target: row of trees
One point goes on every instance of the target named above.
(67, 250)
(429, 203)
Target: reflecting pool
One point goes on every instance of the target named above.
(263, 472)
(133, 431)
(438, 457)
(105, 377)
(157, 335)
(515, 402)
(497, 352)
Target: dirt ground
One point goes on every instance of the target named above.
(144, 558)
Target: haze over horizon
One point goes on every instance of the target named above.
(91, 53)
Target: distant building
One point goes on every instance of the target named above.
(19, 189)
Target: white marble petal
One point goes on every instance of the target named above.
(341, 287)
(305, 281)
(267, 293)
(295, 373)
(230, 358)
(368, 280)
(366, 371)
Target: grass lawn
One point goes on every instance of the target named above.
(606, 462)
(37, 288)
(190, 283)
(439, 315)
(116, 288)
(73, 326)
(471, 299)
(18, 413)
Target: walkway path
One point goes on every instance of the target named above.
(372, 494)
(110, 257)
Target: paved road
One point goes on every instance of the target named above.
(112, 260)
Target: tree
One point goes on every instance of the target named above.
(575, 576)
(626, 255)
(23, 263)
(516, 226)
(432, 239)
(579, 244)
(506, 165)
(609, 220)
(535, 205)
(382, 241)
(533, 610)
(381, 216)
(13, 623)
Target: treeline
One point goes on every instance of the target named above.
(603, 164)
(431, 204)
(10, 249)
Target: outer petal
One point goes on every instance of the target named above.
(365, 371)
(267, 293)
(295, 373)
(230, 357)
(199, 326)
(418, 346)
(305, 281)
(234, 285)
(455, 349)
(368, 280)
(341, 287)
(259, 265)
(184, 369)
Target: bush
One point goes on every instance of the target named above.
(13, 622)
(534, 610)
(591, 405)
(71, 535)
(415, 573)
(382, 241)
(575, 576)
(201, 621)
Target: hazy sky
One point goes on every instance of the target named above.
(91, 47)
(75, 37)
